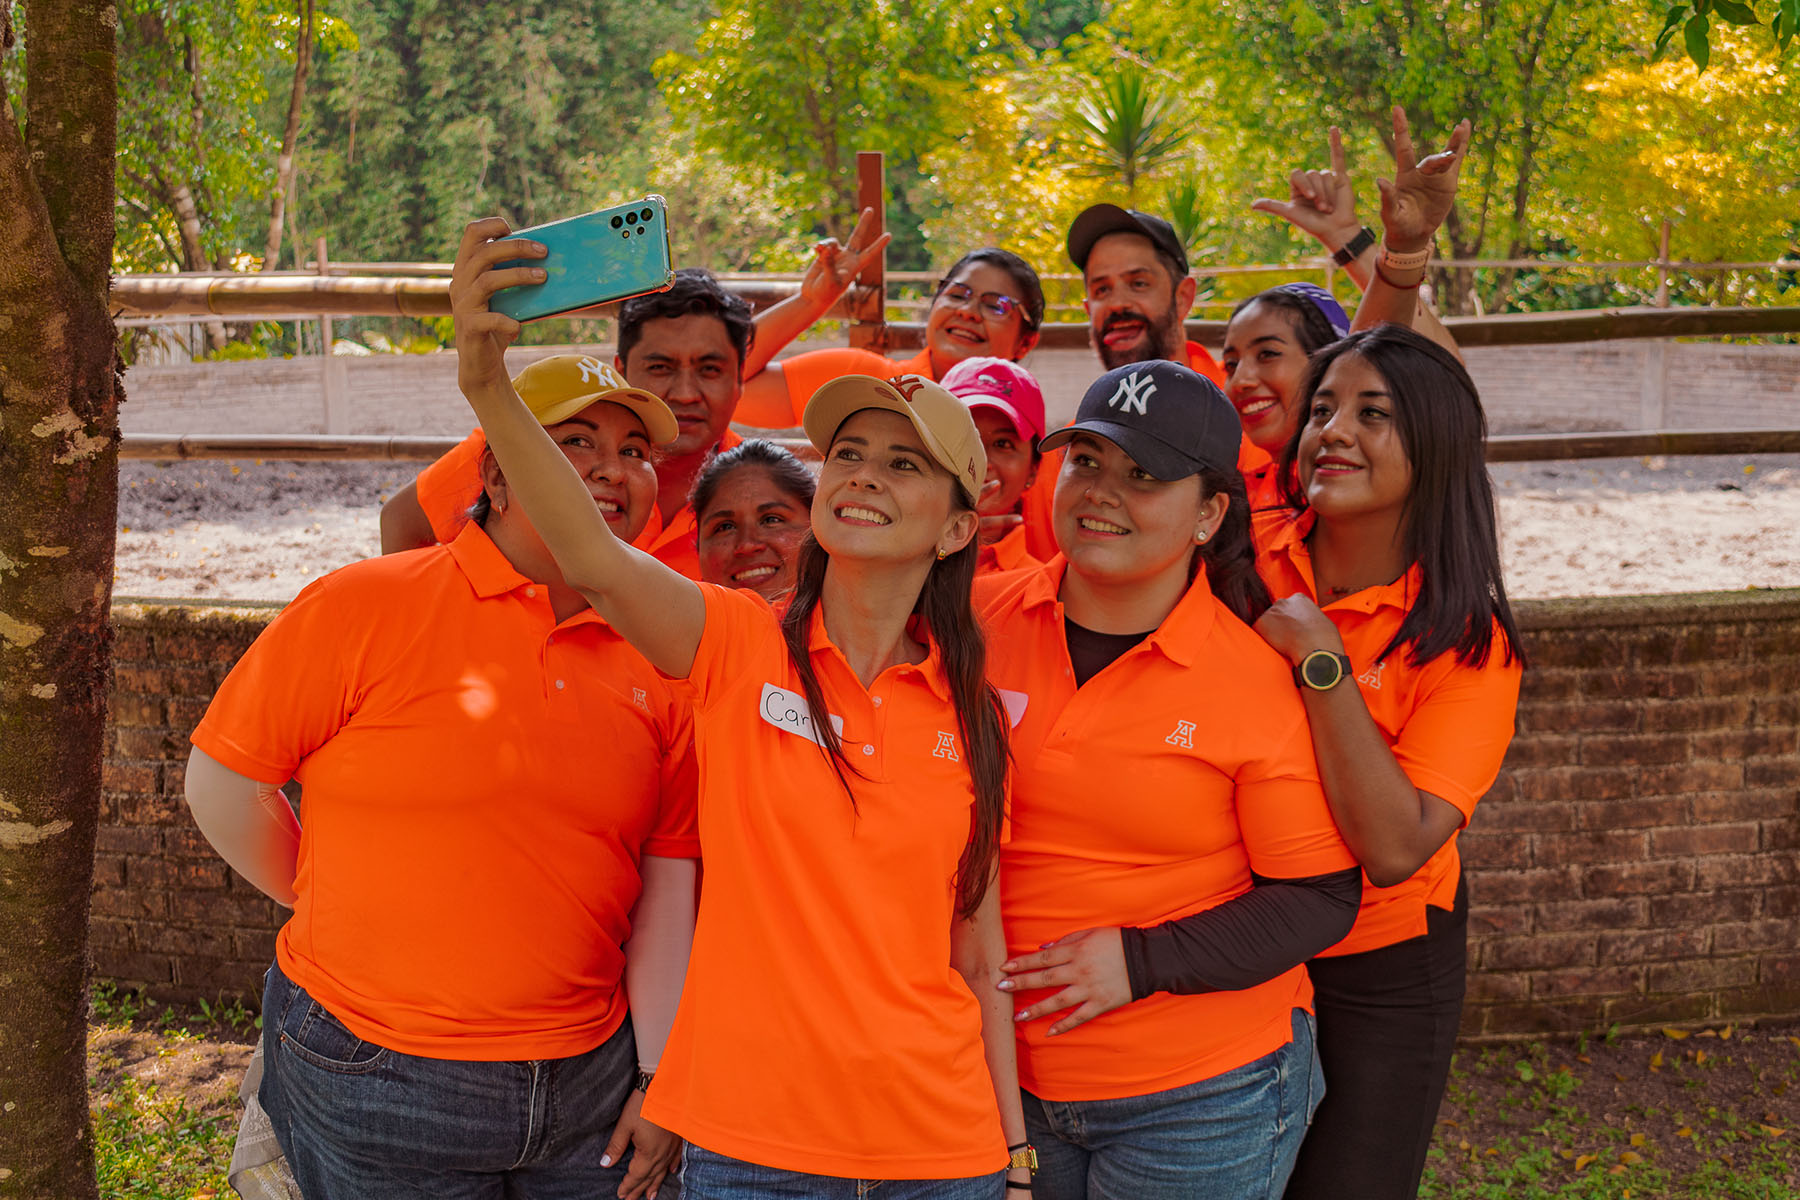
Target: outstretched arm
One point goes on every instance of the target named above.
(1323, 204)
(834, 268)
(652, 607)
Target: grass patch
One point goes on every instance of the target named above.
(1689, 1115)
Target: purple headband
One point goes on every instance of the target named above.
(1323, 301)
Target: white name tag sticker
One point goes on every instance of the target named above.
(1015, 703)
(788, 711)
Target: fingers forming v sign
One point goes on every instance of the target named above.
(835, 266)
(1416, 201)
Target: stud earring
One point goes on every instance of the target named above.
(942, 554)
(1201, 536)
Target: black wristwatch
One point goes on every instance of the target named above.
(1346, 254)
(1322, 670)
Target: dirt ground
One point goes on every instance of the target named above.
(263, 530)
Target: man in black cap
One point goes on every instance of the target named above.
(1139, 291)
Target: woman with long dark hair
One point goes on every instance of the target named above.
(1172, 861)
(840, 1022)
(1392, 609)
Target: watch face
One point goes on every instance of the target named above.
(1321, 670)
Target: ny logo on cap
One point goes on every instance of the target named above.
(907, 385)
(587, 363)
(1133, 393)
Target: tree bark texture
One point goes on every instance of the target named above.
(59, 398)
(290, 135)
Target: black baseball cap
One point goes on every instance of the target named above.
(1173, 422)
(1103, 219)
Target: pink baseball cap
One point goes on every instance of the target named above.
(1002, 384)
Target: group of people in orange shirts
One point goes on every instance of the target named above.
(998, 811)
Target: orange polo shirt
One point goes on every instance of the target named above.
(1007, 554)
(480, 783)
(823, 1028)
(1447, 723)
(448, 486)
(1146, 795)
(806, 373)
(1263, 485)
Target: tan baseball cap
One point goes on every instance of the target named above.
(558, 387)
(944, 424)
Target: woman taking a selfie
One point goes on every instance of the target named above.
(830, 1033)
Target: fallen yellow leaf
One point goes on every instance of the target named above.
(1684, 1131)
(1677, 1034)
(1772, 1131)
(1637, 1139)
(1631, 1158)
(1567, 1154)
(1464, 1145)
(1491, 1151)
(1656, 1061)
(1725, 1033)
(1585, 1161)
(1699, 1057)
(1582, 1058)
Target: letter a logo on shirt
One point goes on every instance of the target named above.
(1133, 394)
(638, 697)
(1183, 735)
(1372, 676)
(946, 747)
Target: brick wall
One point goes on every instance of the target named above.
(1635, 863)
(1589, 386)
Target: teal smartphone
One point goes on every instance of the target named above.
(598, 257)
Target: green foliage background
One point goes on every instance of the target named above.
(748, 114)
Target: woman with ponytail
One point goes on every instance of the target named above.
(1172, 860)
(840, 1024)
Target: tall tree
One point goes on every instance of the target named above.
(452, 108)
(59, 398)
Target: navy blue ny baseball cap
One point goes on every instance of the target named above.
(1173, 422)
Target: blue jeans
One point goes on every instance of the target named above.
(357, 1120)
(709, 1176)
(1233, 1137)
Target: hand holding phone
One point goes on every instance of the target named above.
(596, 258)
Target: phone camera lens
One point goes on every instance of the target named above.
(631, 217)
(647, 214)
(626, 234)
(617, 221)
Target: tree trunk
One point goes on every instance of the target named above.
(284, 161)
(59, 490)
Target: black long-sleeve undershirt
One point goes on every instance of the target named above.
(1246, 940)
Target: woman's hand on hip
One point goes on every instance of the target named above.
(1089, 967)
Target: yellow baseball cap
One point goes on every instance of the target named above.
(943, 423)
(558, 387)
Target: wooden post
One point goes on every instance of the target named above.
(333, 380)
(1662, 266)
(868, 298)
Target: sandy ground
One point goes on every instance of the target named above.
(262, 531)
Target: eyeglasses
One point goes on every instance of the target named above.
(991, 304)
